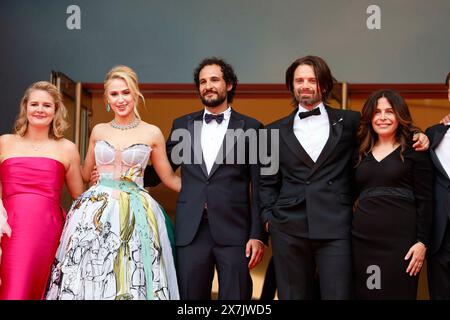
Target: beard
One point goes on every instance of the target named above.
(212, 103)
(308, 100)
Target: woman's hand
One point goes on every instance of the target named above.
(417, 252)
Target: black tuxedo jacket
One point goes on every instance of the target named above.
(441, 189)
(230, 191)
(307, 199)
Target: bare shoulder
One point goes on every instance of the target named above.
(151, 129)
(101, 131)
(152, 134)
(98, 129)
(8, 139)
(67, 145)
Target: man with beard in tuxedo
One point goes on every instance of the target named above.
(217, 213)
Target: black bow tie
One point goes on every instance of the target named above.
(210, 117)
(306, 114)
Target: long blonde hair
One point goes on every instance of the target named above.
(59, 123)
(130, 77)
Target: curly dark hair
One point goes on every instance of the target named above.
(321, 70)
(367, 137)
(228, 74)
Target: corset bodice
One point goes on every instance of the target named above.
(117, 164)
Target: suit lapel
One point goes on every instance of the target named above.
(195, 123)
(438, 135)
(287, 133)
(336, 126)
(236, 122)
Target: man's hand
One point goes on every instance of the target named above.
(255, 248)
(422, 143)
(95, 176)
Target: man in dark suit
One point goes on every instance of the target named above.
(217, 214)
(439, 252)
(307, 205)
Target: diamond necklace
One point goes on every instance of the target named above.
(131, 125)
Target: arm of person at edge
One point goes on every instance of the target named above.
(255, 245)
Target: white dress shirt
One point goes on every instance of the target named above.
(212, 137)
(312, 132)
(443, 152)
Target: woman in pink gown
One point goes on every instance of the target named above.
(35, 162)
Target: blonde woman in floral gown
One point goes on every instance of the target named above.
(116, 243)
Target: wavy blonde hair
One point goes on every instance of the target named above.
(130, 77)
(59, 123)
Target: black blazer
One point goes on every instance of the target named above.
(441, 193)
(308, 199)
(230, 191)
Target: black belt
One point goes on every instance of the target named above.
(387, 191)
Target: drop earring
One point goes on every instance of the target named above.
(108, 108)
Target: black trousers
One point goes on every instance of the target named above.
(438, 267)
(195, 268)
(311, 269)
(270, 284)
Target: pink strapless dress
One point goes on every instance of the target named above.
(31, 192)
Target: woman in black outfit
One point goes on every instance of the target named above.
(391, 224)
